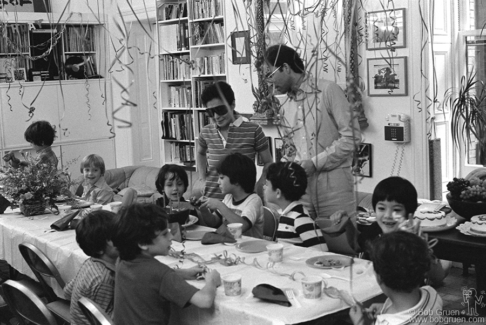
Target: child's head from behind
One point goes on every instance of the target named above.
(92, 167)
(394, 198)
(142, 229)
(40, 134)
(237, 169)
(94, 234)
(285, 179)
(172, 181)
(401, 260)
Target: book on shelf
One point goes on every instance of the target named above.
(15, 38)
(175, 67)
(207, 8)
(169, 43)
(180, 96)
(79, 39)
(207, 33)
(210, 65)
(200, 85)
(169, 11)
(177, 125)
(182, 153)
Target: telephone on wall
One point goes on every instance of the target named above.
(397, 128)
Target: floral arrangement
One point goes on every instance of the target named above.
(472, 190)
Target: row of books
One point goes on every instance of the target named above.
(168, 11)
(207, 33)
(199, 86)
(202, 121)
(182, 153)
(177, 125)
(174, 37)
(175, 67)
(79, 39)
(180, 96)
(210, 65)
(207, 8)
(14, 38)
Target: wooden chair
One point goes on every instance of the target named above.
(25, 305)
(94, 314)
(270, 224)
(43, 268)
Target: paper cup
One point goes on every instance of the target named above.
(235, 229)
(312, 287)
(96, 207)
(115, 206)
(64, 209)
(232, 284)
(275, 253)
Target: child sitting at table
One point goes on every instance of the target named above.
(40, 135)
(285, 185)
(237, 178)
(401, 260)
(96, 278)
(171, 183)
(144, 287)
(95, 189)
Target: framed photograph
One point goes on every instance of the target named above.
(387, 77)
(259, 158)
(279, 149)
(240, 46)
(19, 74)
(362, 164)
(385, 29)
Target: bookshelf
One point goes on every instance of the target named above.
(192, 54)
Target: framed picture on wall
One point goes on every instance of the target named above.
(385, 29)
(362, 163)
(240, 47)
(387, 76)
(259, 158)
(279, 150)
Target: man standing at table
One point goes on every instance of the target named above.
(319, 131)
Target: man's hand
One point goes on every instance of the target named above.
(337, 216)
(308, 166)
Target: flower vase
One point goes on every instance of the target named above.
(32, 208)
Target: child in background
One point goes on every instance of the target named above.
(237, 178)
(95, 189)
(285, 185)
(144, 287)
(401, 260)
(40, 135)
(172, 183)
(96, 278)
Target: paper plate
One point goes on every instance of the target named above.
(450, 224)
(195, 235)
(328, 262)
(253, 246)
(465, 229)
(192, 220)
(81, 204)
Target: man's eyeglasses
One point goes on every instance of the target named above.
(269, 75)
(220, 110)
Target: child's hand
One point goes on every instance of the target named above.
(410, 225)
(356, 315)
(212, 204)
(190, 273)
(374, 310)
(337, 216)
(214, 278)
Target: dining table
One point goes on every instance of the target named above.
(248, 258)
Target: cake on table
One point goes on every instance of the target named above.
(478, 224)
(430, 218)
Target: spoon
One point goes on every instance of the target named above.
(328, 276)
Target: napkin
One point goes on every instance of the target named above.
(271, 294)
(221, 235)
(63, 223)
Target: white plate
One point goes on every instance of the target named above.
(328, 262)
(195, 235)
(253, 246)
(192, 220)
(465, 228)
(451, 223)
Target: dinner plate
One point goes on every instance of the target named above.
(78, 204)
(328, 262)
(451, 223)
(253, 246)
(465, 228)
(192, 220)
(195, 234)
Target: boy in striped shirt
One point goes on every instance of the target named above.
(286, 184)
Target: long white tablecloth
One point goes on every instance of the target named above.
(63, 251)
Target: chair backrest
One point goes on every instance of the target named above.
(270, 224)
(42, 267)
(25, 305)
(94, 314)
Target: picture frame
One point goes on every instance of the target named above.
(279, 150)
(259, 158)
(388, 76)
(362, 165)
(386, 29)
(240, 47)
(19, 74)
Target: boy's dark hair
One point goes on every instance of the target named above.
(93, 160)
(279, 54)
(396, 189)
(40, 133)
(178, 172)
(94, 230)
(240, 169)
(401, 259)
(218, 90)
(289, 177)
(137, 224)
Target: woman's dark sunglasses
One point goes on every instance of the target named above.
(220, 110)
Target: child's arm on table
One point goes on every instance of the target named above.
(204, 298)
(190, 273)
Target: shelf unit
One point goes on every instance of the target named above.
(192, 55)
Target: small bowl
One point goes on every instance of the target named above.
(466, 209)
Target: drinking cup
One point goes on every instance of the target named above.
(96, 207)
(115, 206)
(312, 287)
(235, 229)
(232, 284)
(275, 253)
(64, 209)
